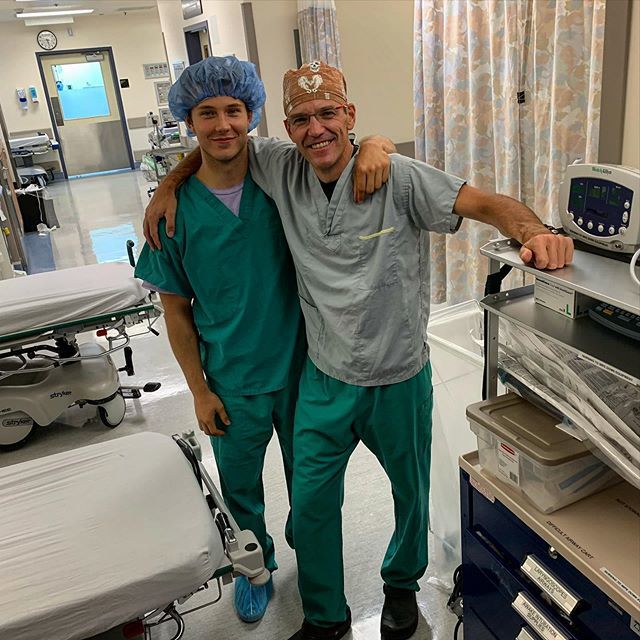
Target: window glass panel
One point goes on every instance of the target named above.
(81, 90)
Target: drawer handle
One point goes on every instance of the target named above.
(542, 577)
(525, 635)
(536, 619)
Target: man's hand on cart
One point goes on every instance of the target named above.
(210, 412)
(547, 251)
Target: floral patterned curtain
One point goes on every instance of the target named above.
(319, 36)
(507, 94)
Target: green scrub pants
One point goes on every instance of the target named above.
(240, 458)
(394, 422)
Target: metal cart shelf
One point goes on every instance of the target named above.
(598, 277)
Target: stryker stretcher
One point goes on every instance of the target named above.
(43, 370)
(96, 537)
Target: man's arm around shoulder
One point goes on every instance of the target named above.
(164, 202)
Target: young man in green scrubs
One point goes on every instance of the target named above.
(229, 293)
(228, 288)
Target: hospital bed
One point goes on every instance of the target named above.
(24, 149)
(96, 537)
(43, 368)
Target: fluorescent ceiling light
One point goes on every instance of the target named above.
(37, 22)
(47, 14)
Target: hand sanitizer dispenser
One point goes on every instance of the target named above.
(22, 99)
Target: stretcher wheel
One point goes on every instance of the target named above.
(111, 413)
(23, 439)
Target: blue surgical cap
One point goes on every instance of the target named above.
(214, 77)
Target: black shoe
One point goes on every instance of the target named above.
(312, 632)
(399, 614)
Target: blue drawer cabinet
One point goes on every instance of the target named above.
(515, 580)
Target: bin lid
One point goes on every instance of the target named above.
(529, 429)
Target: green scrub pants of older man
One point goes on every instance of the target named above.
(394, 422)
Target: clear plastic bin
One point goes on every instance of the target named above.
(521, 445)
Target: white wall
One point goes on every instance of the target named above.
(631, 139)
(274, 22)
(135, 39)
(224, 20)
(171, 23)
(377, 59)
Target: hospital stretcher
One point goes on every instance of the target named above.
(96, 537)
(43, 368)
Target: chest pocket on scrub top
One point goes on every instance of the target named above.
(379, 292)
(377, 259)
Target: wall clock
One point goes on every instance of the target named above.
(47, 40)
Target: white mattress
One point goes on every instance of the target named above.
(95, 537)
(45, 299)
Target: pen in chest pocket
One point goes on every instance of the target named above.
(382, 232)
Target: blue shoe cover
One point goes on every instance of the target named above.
(250, 600)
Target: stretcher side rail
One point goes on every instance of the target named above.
(130, 316)
(241, 548)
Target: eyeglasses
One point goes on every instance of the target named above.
(323, 115)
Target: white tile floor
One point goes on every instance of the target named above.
(96, 216)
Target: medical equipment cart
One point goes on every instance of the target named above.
(573, 574)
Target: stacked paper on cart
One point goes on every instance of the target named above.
(597, 403)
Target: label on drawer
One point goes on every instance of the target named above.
(635, 626)
(508, 462)
(550, 584)
(536, 619)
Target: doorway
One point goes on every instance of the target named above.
(84, 102)
(196, 37)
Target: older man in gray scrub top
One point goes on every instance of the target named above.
(363, 281)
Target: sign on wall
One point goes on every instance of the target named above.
(156, 70)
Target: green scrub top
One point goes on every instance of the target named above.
(239, 274)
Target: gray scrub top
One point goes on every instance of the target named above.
(362, 269)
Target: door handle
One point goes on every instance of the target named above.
(57, 111)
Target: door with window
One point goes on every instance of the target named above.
(87, 111)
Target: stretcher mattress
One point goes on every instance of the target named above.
(95, 537)
(55, 297)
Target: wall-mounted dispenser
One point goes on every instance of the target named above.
(22, 98)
